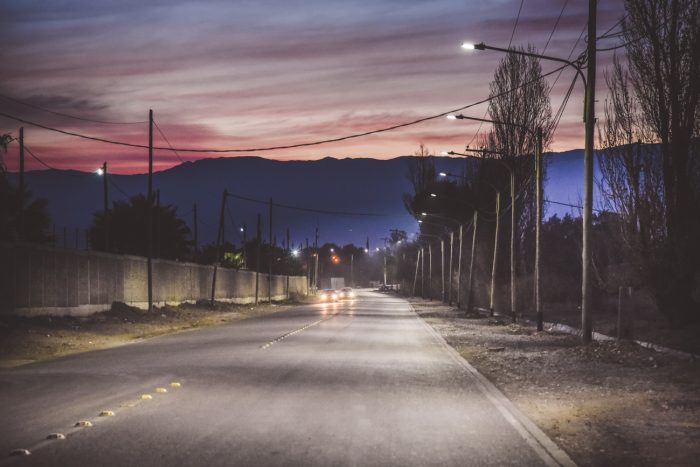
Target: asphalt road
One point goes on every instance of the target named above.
(365, 382)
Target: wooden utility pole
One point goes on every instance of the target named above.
(513, 224)
(430, 271)
(105, 199)
(288, 265)
(149, 221)
(422, 273)
(257, 261)
(219, 237)
(470, 296)
(586, 321)
(459, 268)
(442, 267)
(20, 224)
(495, 253)
(352, 269)
(538, 228)
(449, 285)
(269, 268)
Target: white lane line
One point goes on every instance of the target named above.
(547, 449)
(297, 331)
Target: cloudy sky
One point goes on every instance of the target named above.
(249, 74)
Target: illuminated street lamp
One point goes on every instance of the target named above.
(589, 120)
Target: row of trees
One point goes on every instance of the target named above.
(649, 165)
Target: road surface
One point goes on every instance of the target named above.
(361, 383)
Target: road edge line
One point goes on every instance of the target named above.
(542, 444)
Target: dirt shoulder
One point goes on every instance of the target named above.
(26, 340)
(607, 403)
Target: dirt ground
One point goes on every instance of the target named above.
(25, 340)
(607, 403)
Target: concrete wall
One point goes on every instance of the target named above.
(45, 280)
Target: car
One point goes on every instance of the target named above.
(346, 293)
(328, 295)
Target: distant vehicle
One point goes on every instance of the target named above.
(346, 293)
(328, 295)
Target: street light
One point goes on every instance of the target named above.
(537, 135)
(589, 119)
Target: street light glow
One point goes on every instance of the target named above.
(451, 117)
(295, 252)
(468, 45)
(433, 195)
(100, 171)
(423, 213)
(420, 221)
(443, 174)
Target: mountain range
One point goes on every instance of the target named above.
(370, 189)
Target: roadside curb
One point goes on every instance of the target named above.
(547, 449)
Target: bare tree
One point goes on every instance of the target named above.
(520, 112)
(421, 173)
(656, 189)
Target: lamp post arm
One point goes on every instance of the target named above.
(575, 65)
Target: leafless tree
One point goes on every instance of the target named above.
(421, 173)
(520, 112)
(656, 188)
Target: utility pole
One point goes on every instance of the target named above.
(288, 265)
(495, 253)
(586, 321)
(316, 280)
(150, 211)
(538, 228)
(512, 246)
(269, 268)
(470, 296)
(257, 261)
(459, 269)
(430, 271)
(449, 285)
(219, 237)
(422, 273)
(105, 199)
(196, 231)
(442, 267)
(20, 229)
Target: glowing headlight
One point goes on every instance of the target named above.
(324, 296)
(335, 296)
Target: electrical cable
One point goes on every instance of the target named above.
(317, 211)
(290, 146)
(555, 26)
(167, 142)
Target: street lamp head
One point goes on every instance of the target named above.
(443, 174)
(451, 117)
(472, 46)
(423, 214)
(100, 171)
(332, 250)
(295, 253)
(366, 250)
(420, 221)
(242, 229)
(433, 195)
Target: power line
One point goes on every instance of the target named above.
(555, 26)
(167, 142)
(515, 26)
(290, 146)
(33, 106)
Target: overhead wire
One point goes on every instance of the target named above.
(167, 142)
(314, 210)
(289, 146)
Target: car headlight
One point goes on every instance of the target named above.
(324, 296)
(335, 295)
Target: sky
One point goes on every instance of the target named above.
(249, 74)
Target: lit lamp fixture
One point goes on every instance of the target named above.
(472, 46)
(100, 171)
(433, 195)
(295, 253)
(443, 174)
